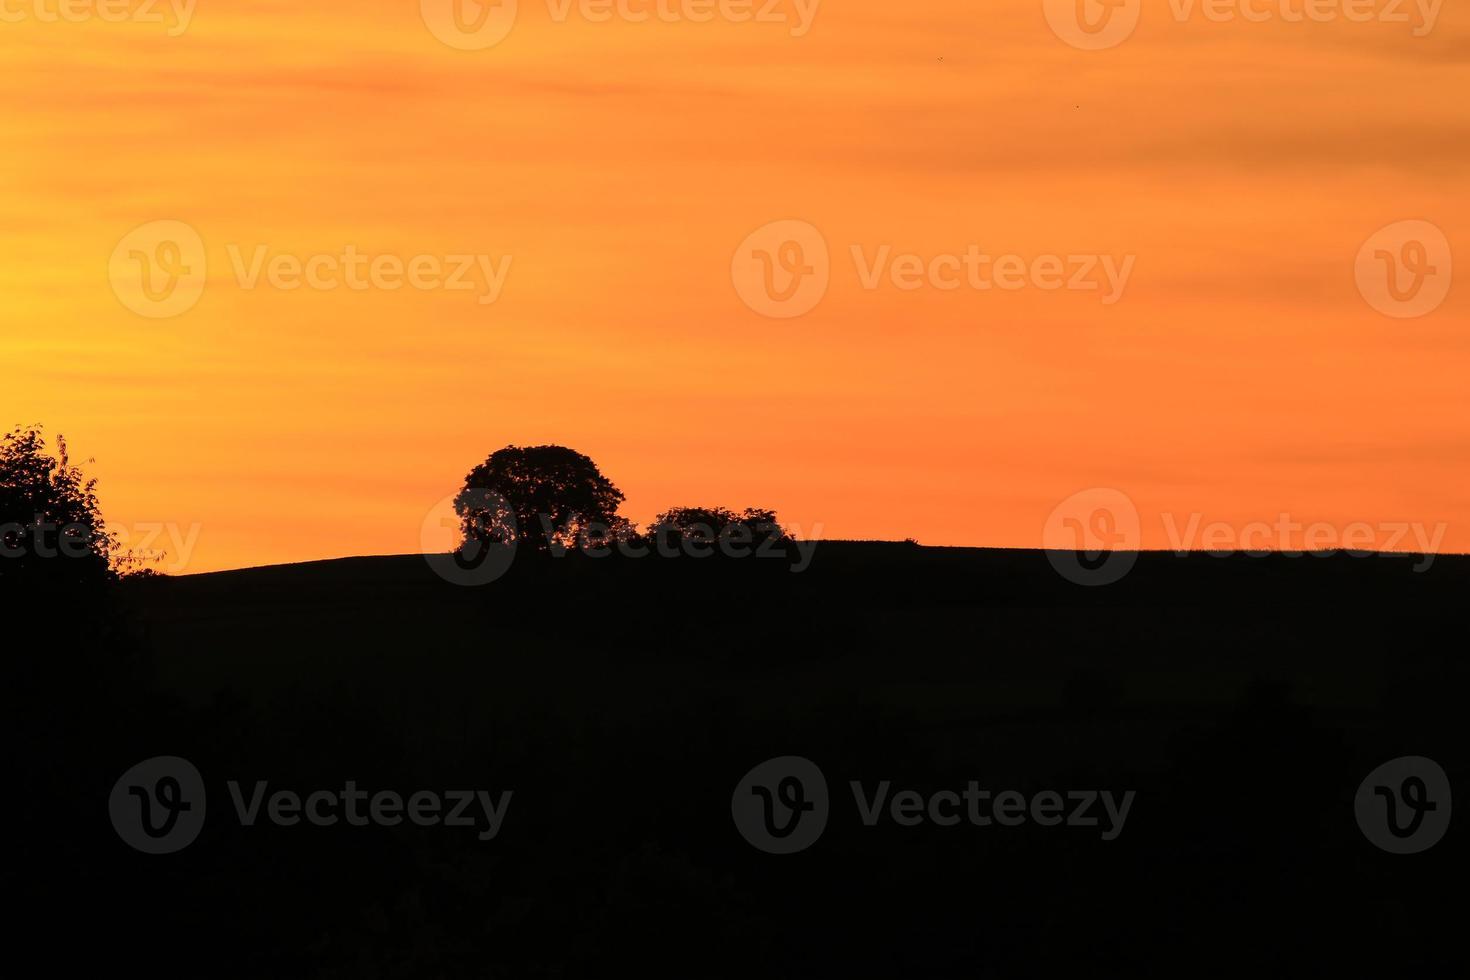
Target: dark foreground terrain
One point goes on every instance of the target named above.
(1242, 701)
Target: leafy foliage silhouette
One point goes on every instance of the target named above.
(538, 496)
(709, 524)
(51, 526)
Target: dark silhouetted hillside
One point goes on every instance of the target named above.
(1243, 699)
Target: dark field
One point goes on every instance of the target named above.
(1241, 700)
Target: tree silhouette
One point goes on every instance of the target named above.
(709, 524)
(540, 496)
(51, 528)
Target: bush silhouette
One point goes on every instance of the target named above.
(708, 524)
(540, 496)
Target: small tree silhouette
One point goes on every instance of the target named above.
(710, 523)
(51, 528)
(540, 496)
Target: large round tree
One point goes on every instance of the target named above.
(538, 496)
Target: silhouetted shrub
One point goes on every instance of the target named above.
(710, 524)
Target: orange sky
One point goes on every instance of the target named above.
(619, 165)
